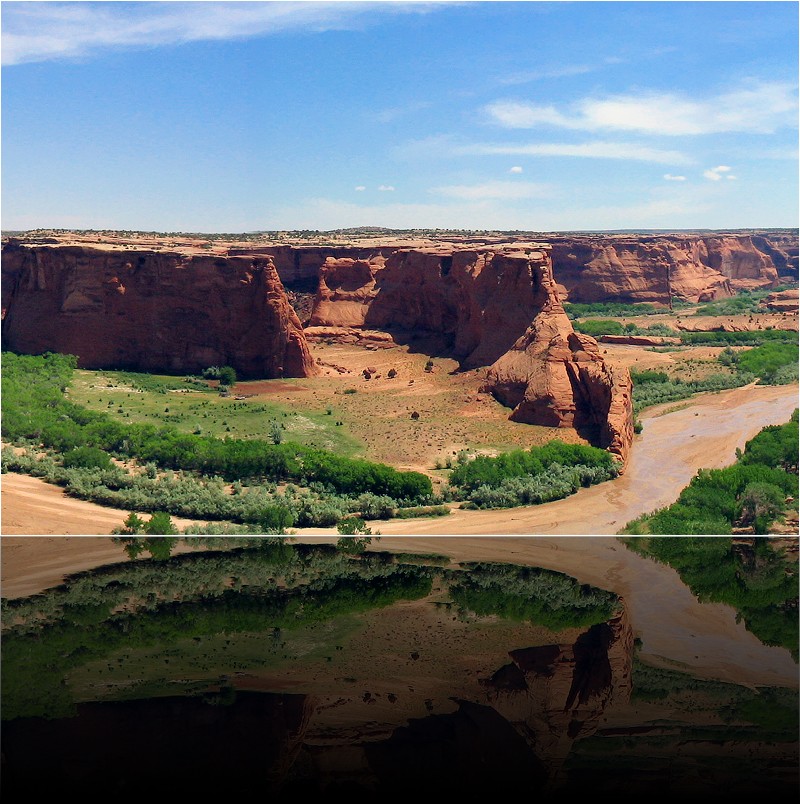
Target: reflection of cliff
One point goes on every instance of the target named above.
(514, 737)
(556, 694)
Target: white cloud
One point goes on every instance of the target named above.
(670, 177)
(386, 188)
(589, 150)
(515, 169)
(716, 173)
(492, 189)
(757, 106)
(731, 177)
(43, 31)
(360, 188)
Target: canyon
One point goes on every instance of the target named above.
(491, 302)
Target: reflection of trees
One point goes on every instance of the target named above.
(529, 593)
(274, 588)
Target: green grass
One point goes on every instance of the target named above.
(146, 398)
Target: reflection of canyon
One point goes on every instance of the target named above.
(297, 670)
(508, 730)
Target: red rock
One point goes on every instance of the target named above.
(152, 311)
(556, 377)
(658, 268)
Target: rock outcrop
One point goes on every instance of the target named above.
(784, 301)
(151, 311)
(556, 377)
(663, 268)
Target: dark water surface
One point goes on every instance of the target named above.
(287, 670)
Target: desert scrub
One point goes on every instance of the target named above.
(655, 387)
(529, 477)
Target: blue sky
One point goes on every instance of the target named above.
(243, 116)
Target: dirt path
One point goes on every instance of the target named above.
(677, 631)
(704, 433)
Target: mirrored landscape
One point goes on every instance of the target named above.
(264, 667)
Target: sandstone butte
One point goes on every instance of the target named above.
(494, 301)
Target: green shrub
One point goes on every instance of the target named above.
(598, 327)
(87, 458)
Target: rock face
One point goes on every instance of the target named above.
(589, 268)
(557, 377)
(152, 311)
(663, 268)
(481, 300)
(784, 301)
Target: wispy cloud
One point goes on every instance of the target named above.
(586, 150)
(756, 106)
(45, 31)
(386, 188)
(539, 75)
(515, 169)
(492, 189)
(717, 173)
(360, 188)
(670, 177)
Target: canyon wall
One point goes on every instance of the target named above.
(151, 311)
(498, 306)
(590, 268)
(660, 268)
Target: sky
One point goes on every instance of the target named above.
(250, 116)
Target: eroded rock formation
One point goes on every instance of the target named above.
(664, 268)
(152, 311)
(557, 377)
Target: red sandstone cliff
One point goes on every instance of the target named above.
(638, 268)
(497, 304)
(660, 268)
(556, 377)
(151, 311)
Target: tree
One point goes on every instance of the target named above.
(133, 524)
(760, 505)
(351, 525)
(160, 524)
(227, 376)
(87, 458)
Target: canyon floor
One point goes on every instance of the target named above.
(678, 439)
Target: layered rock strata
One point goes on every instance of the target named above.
(152, 311)
(557, 377)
